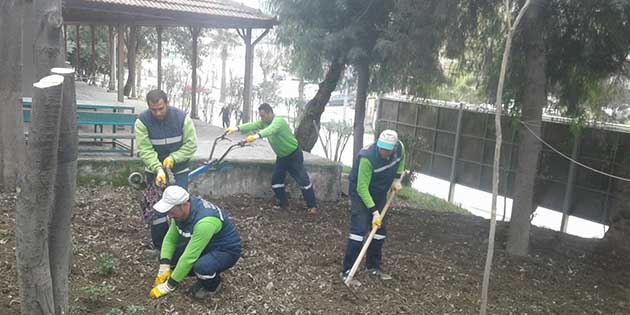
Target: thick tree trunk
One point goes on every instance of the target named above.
(363, 84)
(60, 242)
(224, 56)
(11, 122)
(529, 148)
(49, 38)
(307, 131)
(131, 60)
(35, 199)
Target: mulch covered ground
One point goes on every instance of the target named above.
(291, 265)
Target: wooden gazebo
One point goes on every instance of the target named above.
(196, 14)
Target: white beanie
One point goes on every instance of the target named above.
(387, 140)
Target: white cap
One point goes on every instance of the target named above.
(387, 140)
(171, 197)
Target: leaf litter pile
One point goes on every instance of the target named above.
(291, 263)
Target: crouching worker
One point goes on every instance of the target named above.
(200, 241)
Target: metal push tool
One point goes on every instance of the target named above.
(364, 249)
(212, 164)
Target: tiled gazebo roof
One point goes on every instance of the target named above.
(206, 13)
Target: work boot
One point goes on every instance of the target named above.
(311, 211)
(344, 275)
(379, 273)
(279, 206)
(200, 291)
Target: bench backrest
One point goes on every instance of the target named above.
(96, 118)
(118, 108)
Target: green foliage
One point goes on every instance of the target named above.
(424, 201)
(135, 310)
(107, 264)
(97, 293)
(116, 311)
(346, 169)
(179, 42)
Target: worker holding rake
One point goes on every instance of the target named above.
(378, 168)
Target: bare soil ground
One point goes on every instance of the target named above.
(291, 264)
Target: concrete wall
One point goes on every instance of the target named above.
(233, 177)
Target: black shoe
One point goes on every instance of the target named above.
(279, 206)
(200, 291)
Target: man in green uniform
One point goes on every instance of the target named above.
(377, 169)
(201, 240)
(289, 155)
(166, 138)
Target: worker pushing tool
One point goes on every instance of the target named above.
(377, 169)
(289, 155)
(166, 140)
(201, 240)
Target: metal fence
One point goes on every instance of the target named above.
(456, 142)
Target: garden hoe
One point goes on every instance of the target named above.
(364, 249)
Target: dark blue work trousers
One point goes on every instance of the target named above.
(360, 227)
(294, 164)
(210, 264)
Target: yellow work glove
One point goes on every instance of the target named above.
(163, 274)
(161, 290)
(252, 138)
(396, 185)
(230, 130)
(376, 219)
(168, 162)
(160, 178)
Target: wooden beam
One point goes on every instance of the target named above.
(159, 57)
(112, 60)
(247, 81)
(193, 93)
(92, 78)
(77, 56)
(119, 67)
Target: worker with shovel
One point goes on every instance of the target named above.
(201, 240)
(377, 169)
(166, 139)
(289, 155)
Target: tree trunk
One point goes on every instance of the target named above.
(11, 122)
(35, 199)
(136, 89)
(306, 132)
(60, 242)
(363, 84)
(131, 60)
(224, 55)
(529, 147)
(48, 52)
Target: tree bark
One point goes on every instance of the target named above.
(131, 59)
(306, 133)
(11, 122)
(529, 147)
(35, 198)
(48, 37)
(363, 84)
(92, 79)
(60, 242)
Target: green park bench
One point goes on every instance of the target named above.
(99, 118)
